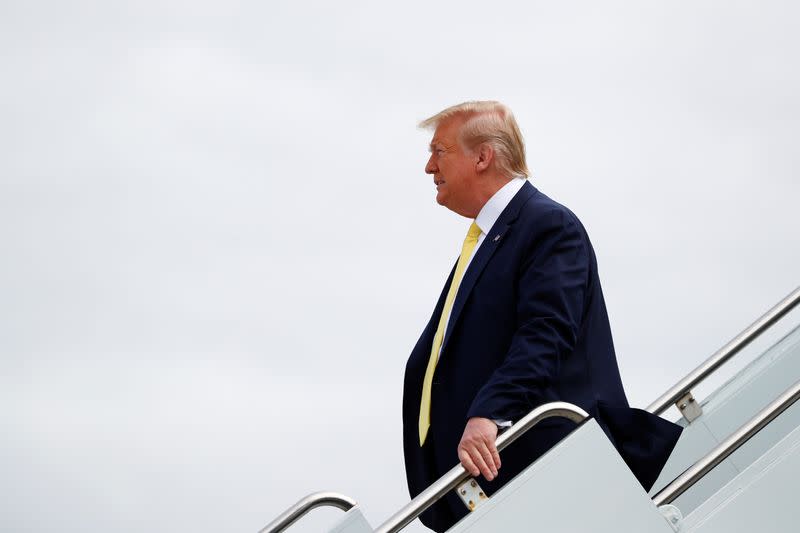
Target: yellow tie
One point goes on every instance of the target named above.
(425, 404)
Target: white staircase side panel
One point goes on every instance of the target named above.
(764, 439)
(762, 498)
(352, 521)
(695, 442)
(728, 408)
(582, 484)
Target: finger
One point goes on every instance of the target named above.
(495, 456)
(477, 458)
(467, 463)
(488, 458)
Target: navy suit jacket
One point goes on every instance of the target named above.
(528, 326)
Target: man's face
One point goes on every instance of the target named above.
(453, 169)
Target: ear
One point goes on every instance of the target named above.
(485, 157)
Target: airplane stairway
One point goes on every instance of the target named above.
(760, 498)
(735, 468)
(726, 409)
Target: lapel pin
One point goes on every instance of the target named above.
(497, 237)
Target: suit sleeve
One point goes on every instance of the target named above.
(552, 281)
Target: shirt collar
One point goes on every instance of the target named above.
(492, 209)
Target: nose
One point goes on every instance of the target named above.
(430, 167)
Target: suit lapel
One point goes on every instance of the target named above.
(490, 243)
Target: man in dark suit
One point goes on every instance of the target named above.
(520, 322)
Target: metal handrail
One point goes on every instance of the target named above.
(458, 474)
(683, 482)
(312, 501)
(725, 353)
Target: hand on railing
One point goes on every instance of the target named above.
(458, 474)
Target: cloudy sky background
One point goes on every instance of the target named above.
(219, 245)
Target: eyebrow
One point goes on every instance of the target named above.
(434, 143)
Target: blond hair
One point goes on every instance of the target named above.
(492, 123)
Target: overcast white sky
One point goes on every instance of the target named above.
(219, 245)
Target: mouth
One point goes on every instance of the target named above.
(438, 182)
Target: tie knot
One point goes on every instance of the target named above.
(474, 232)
